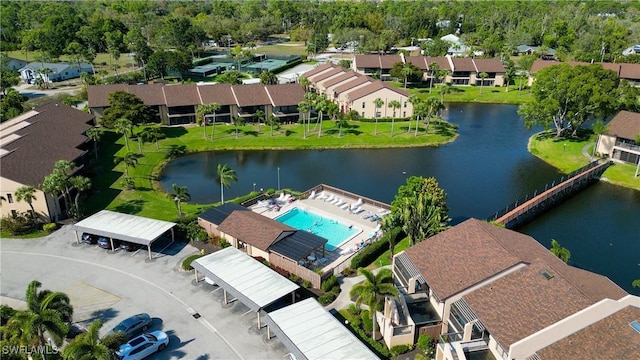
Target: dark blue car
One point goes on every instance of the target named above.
(133, 325)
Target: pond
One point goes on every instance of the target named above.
(484, 170)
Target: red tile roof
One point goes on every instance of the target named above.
(285, 94)
(250, 95)
(610, 338)
(218, 93)
(525, 301)
(254, 229)
(181, 95)
(372, 88)
(625, 124)
(54, 133)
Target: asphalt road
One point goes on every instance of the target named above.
(113, 286)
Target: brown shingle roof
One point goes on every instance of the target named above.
(463, 64)
(387, 61)
(250, 94)
(285, 94)
(630, 71)
(319, 69)
(524, 302)
(150, 94)
(319, 77)
(489, 65)
(367, 61)
(372, 88)
(625, 124)
(614, 331)
(418, 61)
(352, 83)
(218, 93)
(254, 229)
(541, 64)
(442, 62)
(181, 95)
(98, 95)
(341, 78)
(460, 257)
(53, 134)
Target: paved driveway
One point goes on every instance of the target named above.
(113, 286)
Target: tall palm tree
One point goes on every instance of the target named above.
(260, 116)
(434, 69)
(47, 311)
(180, 194)
(414, 101)
(373, 290)
(152, 134)
(378, 104)
(237, 122)
(303, 108)
(321, 106)
(407, 70)
(130, 159)
(310, 98)
(27, 194)
(304, 82)
(88, 346)
(124, 126)
(272, 121)
(444, 90)
(483, 75)
(81, 184)
(395, 105)
(225, 175)
(433, 108)
(202, 111)
(421, 217)
(94, 134)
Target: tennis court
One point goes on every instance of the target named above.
(265, 65)
(210, 68)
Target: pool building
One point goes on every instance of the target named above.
(322, 230)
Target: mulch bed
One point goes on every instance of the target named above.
(207, 246)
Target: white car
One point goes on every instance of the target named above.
(144, 345)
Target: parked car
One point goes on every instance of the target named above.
(104, 243)
(129, 246)
(89, 238)
(133, 325)
(142, 346)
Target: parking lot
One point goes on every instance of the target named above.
(115, 285)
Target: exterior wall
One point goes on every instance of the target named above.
(386, 95)
(40, 204)
(209, 227)
(605, 144)
(342, 97)
(255, 252)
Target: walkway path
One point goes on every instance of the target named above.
(346, 283)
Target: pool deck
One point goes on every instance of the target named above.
(329, 210)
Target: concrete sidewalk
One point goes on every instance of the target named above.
(346, 284)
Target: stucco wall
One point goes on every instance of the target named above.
(605, 144)
(40, 204)
(386, 95)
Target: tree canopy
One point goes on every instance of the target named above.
(128, 106)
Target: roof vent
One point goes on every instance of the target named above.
(547, 275)
(635, 325)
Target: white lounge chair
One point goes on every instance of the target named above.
(286, 198)
(340, 203)
(323, 195)
(329, 198)
(281, 197)
(336, 201)
(345, 206)
(312, 195)
(357, 210)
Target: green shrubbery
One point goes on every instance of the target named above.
(370, 253)
(186, 263)
(426, 344)
(400, 349)
(326, 299)
(49, 227)
(329, 283)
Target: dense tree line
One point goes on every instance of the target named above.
(597, 30)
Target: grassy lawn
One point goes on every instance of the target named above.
(477, 94)
(385, 259)
(147, 199)
(102, 61)
(31, 235)
(566, 155)
(288, 48)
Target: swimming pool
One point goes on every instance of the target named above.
(335, 232)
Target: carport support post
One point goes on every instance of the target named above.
(224, 293)
(259, 320)
(196, 273)
(77, 238)
(268, 333)
(149, 250)
(112, 248)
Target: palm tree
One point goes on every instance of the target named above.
(303, 108)
(94, 134)
(414, 101)
(268, 78)
(47, 311)
(443, 90)
(88, 346)
(395, 105)
(434, 69)
(321, 106)
(421, 217)
(152, 134)
(272, 121)
(483, 75)
(129, 159)
(238, 121)
(81, 184)
(372, 291)
(27, 194)
(560, 251)
(310, 98)
(124, 126)
(225, 176)
(180, 194)
(304, 82)
(259, 117)
(378, 104)
(204, 110)
(407, 70)
(433, 108)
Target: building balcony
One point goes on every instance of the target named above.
(623, 145)
(448, 349)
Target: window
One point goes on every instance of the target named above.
(404, 114)
(405, 104)
(378, 114)
(362, 114)
(363, 104)
(10, 198)
(14, 213)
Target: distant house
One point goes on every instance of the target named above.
(457, 48)
(545, 53)
(53, 71)
(14, 64)
(30, 145)
(619, 143)
(635, 49)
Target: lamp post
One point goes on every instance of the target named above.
(278, 178)
(254, 187)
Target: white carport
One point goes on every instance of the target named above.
(132, 228)
(245, 278)
(310, 332)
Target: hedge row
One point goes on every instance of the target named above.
(186, 263)
(370, 253)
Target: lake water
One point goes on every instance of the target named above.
(484, 170)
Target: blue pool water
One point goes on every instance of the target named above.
(335, 232)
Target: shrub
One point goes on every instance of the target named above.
(328, 284)
(400, 349)
(222, 243)
(16, 224)
(336, 290)
(419, 357)
(49, 227)
(347, 271)
(294, 277)
(326, 299)
(186, 263)
(370, 253)
(425, 343)
(306, 284)
(366, 321)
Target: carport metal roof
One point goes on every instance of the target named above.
(310, 332)
(247, 279)
(132, 228)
